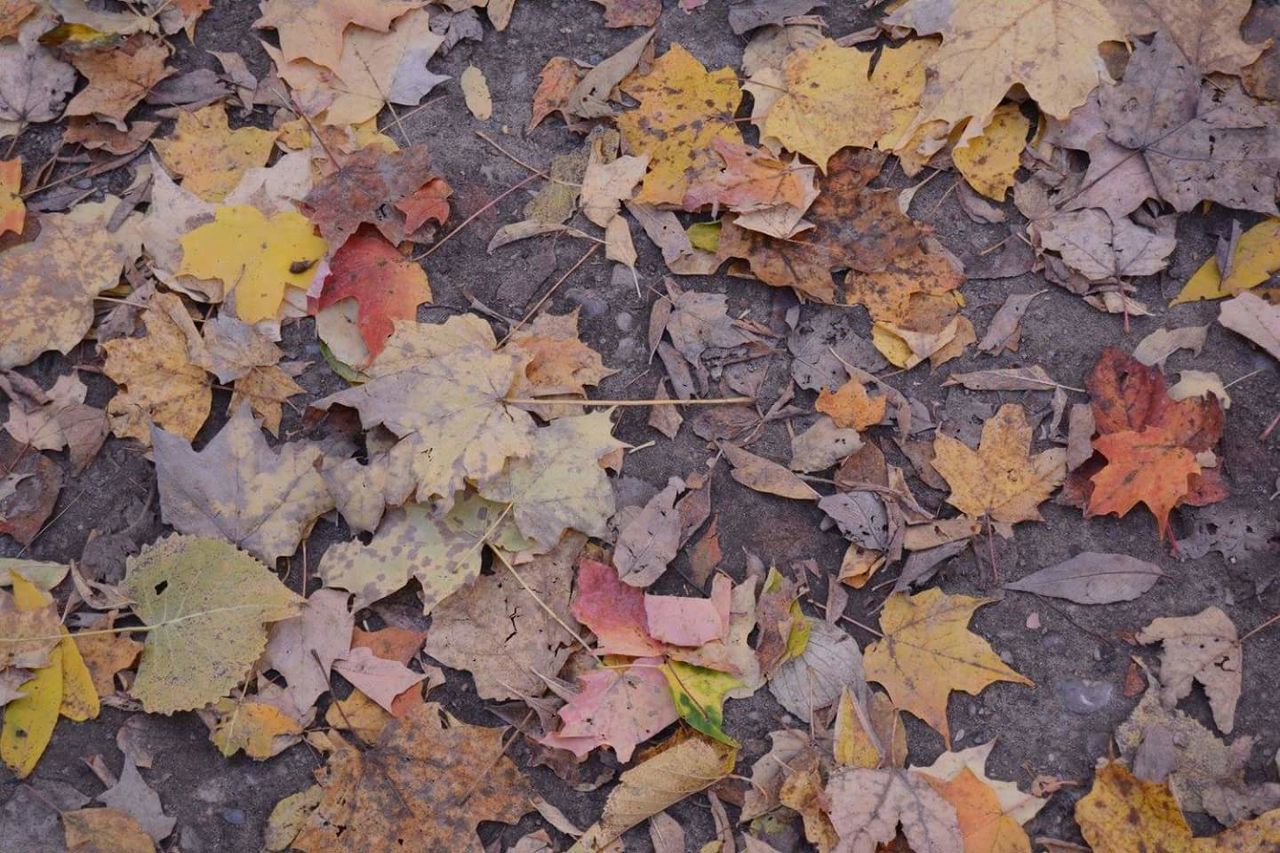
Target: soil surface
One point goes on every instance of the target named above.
(1077, 657)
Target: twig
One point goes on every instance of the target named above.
(502, 558)
(1273, 620)
(709, 401)
(534, 310)
(514, 159)
(446, 238)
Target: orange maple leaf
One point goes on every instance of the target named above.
(1150, 467)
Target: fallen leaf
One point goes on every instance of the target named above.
(1200, 384)
(475, 90)
(630, 13)
(1203, 648)
(615, 707)
(1092, 578)
(260, 730)
(1252, 317)
(47, 286)
(983, 824)
(762, 475)
(1013, 803)
(499, 628)
(13, 212)
(1207, 34)
(28, 490)
(556, 82)
(316, 31)
(648, 543)
(302, 649)
(1156, 347)
(1005, 329)
(209, 156)
(119, 77)
(204, 605)
(30, 719)
(282, 251)
(988, 161)
(1152, 467)
(692, 622)
(683, 110)
(927, 651)
(1121, 810)
(89, 830)
(162, 385)
(851, 407)
(239, 489)
(613, 611)
(387, 286)
(559, 365)
(682, 767)
(1001, 479)
(132, 796)
(989, 46)
(1254, 257)
(589, 98)
(106, 655)
(814, 680)
(1033, 378)
(867, 806)
(380, 679)
(34, 83)
(55, 419)
(444, 780)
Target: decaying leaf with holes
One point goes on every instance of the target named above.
(205, 606)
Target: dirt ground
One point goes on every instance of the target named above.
(1077, 657)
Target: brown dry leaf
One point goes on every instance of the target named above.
(630, 13)
(315, 29)
(302, 649)
(425, 786)
(761, 474)
(1203, 648)
(119, 77)
(683, 766)
(854, 228)
(559, 364)
(1255, 318)
(927, 651)
(475, 89)
(209, 156)
(866, 807)
(1206, 32)
(160, 383)
(55, 419)
(47, 286)
(988, 46)
(13, 211)
(590, 97)
(1001, 480)
(683, 109)
(499, 630)
(556, 82)
(890, 292)
(238, 488)
(93, 830)
(106, 655)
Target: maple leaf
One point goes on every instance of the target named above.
(1255, 257)
(205, 605)
(851, 407)
(209, 156)
(989, 161)
(615, 707)
(630, 13)
(927, 651)
(374, 68)
(891, 293)
(425, 786)
(47, 286)
(34, 83)
(682, 767)
(560, 484)
(854, 228)
(988, 46)
(119, 77)
(826, 103)
(1206, 32)
(1204, 648)
(1199, 142)
(1011, 802)
(499, 628)
(370, 188)
(559, 362)
(314, 29)
(239, 489)
(556, 81)
(867, 806)
(983, 824)
(260, 730)
(55, 419)
(1122, 811)
(13, 212)
(1150, 467)
(255, 257)
(161, 384)
(302, 649)
(387, 286)
(1001, 479)
(683, 109)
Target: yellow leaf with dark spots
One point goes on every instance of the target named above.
(210, 157)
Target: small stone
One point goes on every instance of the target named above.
(1083, 696)
(624, 321)
(1033, 622)
(235, 817)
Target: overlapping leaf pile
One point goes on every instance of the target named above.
(473, 472)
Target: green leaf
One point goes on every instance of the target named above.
(699, 695)
(205, 604)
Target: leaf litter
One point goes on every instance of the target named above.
(469, 460)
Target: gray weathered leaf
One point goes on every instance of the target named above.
(758, 473)
(1092, 578)
(1034, 378)
(816, 678)
(650, 540)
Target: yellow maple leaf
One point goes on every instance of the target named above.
(1123, 812)
(255, 257)
(989, 161)
(827, 103)
(1001, 479)
(928, 651)
(158, 381)
(314, 29)
(683, 107)
(1048, 46)
(210, 157)
(261, 730)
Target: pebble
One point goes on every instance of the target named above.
(592, 305)
(1082, 696)
(235, 817)
(624, 321)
